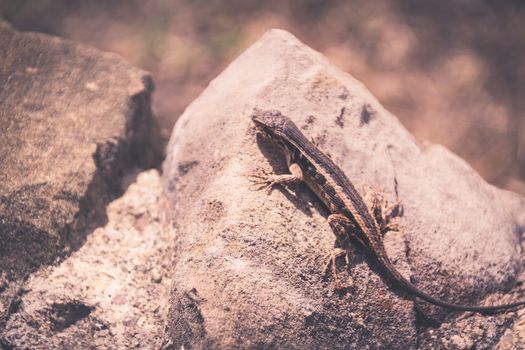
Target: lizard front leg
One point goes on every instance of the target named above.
(267, 181)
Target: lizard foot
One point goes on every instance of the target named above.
(331, 260)
(384, 214)
(261, 180)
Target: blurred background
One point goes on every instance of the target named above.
(453, 72)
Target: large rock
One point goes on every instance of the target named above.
(72, 120)
(248, 265)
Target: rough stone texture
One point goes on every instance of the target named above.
(248, 265)
(110, 294)
(514, 338)
(72, 120)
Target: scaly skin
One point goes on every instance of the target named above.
(349, 215)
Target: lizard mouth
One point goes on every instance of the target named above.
(259, 124)
(265, 132)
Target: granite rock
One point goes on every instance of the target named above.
(73, 120)
(112, 293)
(247, 270)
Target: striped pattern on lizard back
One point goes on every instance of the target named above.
(334, 189)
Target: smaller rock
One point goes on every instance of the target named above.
(73, 121)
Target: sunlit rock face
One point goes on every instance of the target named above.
(248, 265)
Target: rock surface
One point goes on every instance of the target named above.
(110, 294)
(248, 265)
(72, 120)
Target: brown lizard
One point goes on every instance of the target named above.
(349, 216)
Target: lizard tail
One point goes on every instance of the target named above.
(410, 287)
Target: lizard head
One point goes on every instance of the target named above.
(271, 123)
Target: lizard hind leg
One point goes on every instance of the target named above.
(331, 260)
(384, 213)
(375, 203)
(391, 213)
(340, 225)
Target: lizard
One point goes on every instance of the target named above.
(349, 215)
